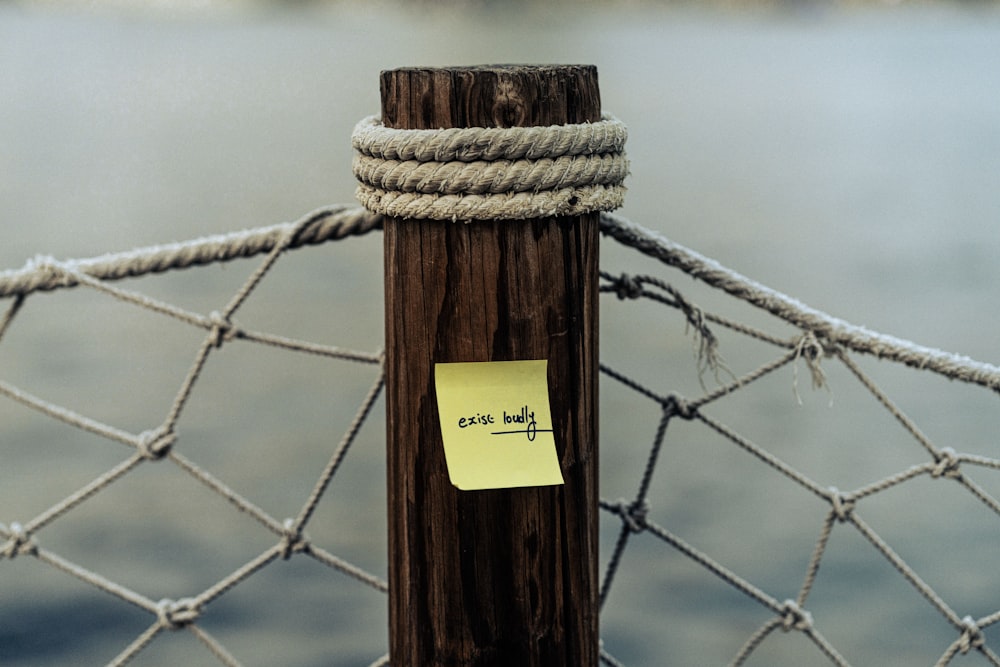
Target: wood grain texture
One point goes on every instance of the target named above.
(499, 577)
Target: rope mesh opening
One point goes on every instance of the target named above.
(839, 520)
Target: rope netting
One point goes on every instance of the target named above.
(25, 538)
(819, 342)
(820, 339)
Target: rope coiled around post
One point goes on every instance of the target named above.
(513, 173)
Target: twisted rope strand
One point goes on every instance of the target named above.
(824, 326)
(512, 173)
(370, 137)
(822, 336)
(157, 443)
(944, 463)
(480, 178)
(505, 206)
(325, 224)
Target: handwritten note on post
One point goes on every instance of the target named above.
(496, 424)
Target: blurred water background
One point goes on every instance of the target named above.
(846, 154)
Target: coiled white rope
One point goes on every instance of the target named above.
(480, 173)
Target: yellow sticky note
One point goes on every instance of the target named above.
(496, 424)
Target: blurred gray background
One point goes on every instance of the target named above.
(847, 154)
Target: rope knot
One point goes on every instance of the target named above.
(293, 540)
(811, 349)
(947, 464)
(678, 406)
(972, 636)
(628, 287)
(632, 514)
(49, 271)
(19, 541)
(842, 507)
(154, 444)
(794, 617)
(175, 614)
(222, 328)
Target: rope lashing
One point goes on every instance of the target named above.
(633, 514)
(18, 541)
(842, 506)
(154, 444)
(478, 173)
(676, 405)
(972, 636)
(176, 614)
(293, 540)
(794, 617)
(223, 329)
(947, 464)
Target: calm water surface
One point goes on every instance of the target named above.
(848, 157)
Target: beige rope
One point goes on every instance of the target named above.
(325, 224)
(821, 338)
(370, 137)
(497, 177)
(512, 173)
(509, 206)
(829, 330)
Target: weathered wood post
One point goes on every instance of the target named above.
(493, 577)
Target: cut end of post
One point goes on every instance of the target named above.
(490, 96)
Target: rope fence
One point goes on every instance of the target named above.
(821, 338)
(821, 341)
(497, 196)
(163, 443)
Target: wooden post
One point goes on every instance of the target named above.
(505, 577)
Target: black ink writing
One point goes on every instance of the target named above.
(476, 419)
(522, 422)
(524, 417)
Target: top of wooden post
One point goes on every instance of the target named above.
(409, 167)
(416, 98)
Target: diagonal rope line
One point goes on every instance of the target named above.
(157, 443)
(221, 325)
(8, 315)
(710, 564)
(325, 224)
(887, 403)
(294, 345)
(901, 566)
(796, 313)
(633, 515)
(136, 647)
(94, 579)
(745, 380)
(279, 248)
(812, 570)
(220, 488)
(66, 416)
(77, 498)
(337, 563)
(758, 637)
(770, 459)
(245, 572)
(338, 456)
(126, 296)
(208, 322)
(610, 660)
(214, 646)
(820, 336)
